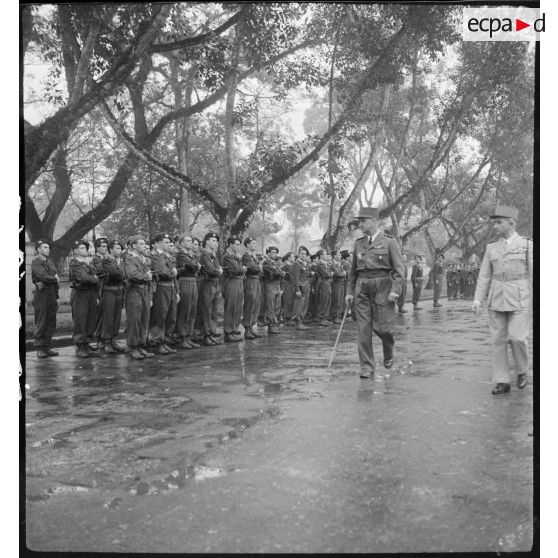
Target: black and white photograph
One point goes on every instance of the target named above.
(279, 270)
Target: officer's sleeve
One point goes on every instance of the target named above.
(397, 267)
(133, 272)
(352, 273)
(485, 277)
(295, 276)
(110, 267)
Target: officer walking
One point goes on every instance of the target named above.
(506, 276)
(45, 299)
(375, 282)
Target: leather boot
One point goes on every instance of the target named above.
(216, 340)
(255, 334)
(159, 350)
(192, 344)
(248, 334)
(81, 352)
(272, 330)
(170, 350)
(301, 327)
(116, 346)
(208, 341)
(143, 351)
(134, 354)
(109, 349)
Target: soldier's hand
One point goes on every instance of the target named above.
(220, 271)
(40, 285)
(149, 276)
(476, 307)
(177, 298)
(174, 272)
(392, 297)
(298, 294)
(57, 278)
(349, 299)
(244, 268)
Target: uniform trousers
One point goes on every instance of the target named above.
(187, 307)
(417, 289)
(288, 300)
(252, 300)
(300, 306)
(374, 313)
(272, 293)
(337, 298)
(209, 301)
(111, 312)
(233, 294)
(509, 328)
(45, 306)
(323, 289)
(437, 287)
(138, 299)
(99, 317)
(84, 314)
(163, 313)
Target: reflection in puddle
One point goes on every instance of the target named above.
(203, 473)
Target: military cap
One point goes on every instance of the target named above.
(133, 239)
(504, 211)
(39, 243)
(418, 256)
(248, 239)
(369, 213)
(232, 239)
(78, 243)
(304, 248)
(211, 235)
(440, 254)
(113, 243)
(159, 237)
(182, 236)
(99, 241)
(270, 248)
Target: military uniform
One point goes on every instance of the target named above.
(188, 267)
(288, 291)
(505, 278)
(377, 269)
(112, 300)
(323, 289)
(438, 277)
(233, 294)
(209, 292)
(162, 318)
(45, 302)
(138, 300)
(272, 275)
(252, 291)
(416, 281)
(338, 283)
(451, 280)
(84, 300)
(299, 276)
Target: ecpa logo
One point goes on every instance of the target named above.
(502, 24)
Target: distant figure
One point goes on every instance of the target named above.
(416, 281)
(437, 272)
(375, 282)
(506, 277)
(401, 299)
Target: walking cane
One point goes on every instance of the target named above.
(338, 335)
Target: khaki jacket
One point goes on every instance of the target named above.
(506, 275)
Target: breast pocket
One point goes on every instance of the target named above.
(517, 262)
(380, 256)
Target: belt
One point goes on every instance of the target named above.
(140, 285)
(80, 288)
(252, 276)
(113, 287)
(370, 273)
(188, 278)
(165, 283)
(234, 277)
(419, 278)
(211, 279)
(339, 279)
(509, 277)
(324, 278)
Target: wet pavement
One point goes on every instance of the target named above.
(258, 447)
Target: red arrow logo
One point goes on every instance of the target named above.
(519, 25)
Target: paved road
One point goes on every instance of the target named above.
(258, 447)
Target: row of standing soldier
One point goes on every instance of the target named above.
(171, 295)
